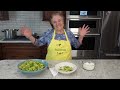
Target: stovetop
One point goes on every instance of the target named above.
(18, 38)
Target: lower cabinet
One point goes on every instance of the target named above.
(0, 52)
(23, 51)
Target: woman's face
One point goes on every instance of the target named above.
(57, 22)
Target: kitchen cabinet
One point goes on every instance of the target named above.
(0, 52)
(47, 14)
(23, 51)
(4, 15)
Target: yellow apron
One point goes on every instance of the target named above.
(59, 49)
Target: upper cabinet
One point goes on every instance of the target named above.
(4, 15)
(47, 14)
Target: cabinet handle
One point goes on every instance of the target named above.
(107, 54)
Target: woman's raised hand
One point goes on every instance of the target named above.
(25, 31)
(84, 30)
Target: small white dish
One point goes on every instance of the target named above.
(89, 65)
(62, 64)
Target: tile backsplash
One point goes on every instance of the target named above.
(32, 19)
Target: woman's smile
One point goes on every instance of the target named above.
(58, 23)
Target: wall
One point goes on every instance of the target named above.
(32, 19)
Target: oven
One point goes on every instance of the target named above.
(91, 42)
(86, 13)
(88, 49)
(94, 24)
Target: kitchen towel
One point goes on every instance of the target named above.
(53, 71)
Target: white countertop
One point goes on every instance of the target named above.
(104, 69)
(22, 41)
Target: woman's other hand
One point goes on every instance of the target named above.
(84, 30)
(25, 31)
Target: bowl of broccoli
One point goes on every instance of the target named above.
(32, 66)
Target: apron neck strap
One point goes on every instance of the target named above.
(64, 32)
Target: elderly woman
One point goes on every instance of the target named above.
(58, 39)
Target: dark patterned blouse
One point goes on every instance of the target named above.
(47, 37)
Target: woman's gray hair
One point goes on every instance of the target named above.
(53, 13)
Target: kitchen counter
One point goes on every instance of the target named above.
(20, 41)
(104, 69)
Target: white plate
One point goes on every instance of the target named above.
(57, 67)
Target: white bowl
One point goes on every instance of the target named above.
(57, 67)
(89, 65)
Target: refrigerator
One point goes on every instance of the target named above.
(110, 35)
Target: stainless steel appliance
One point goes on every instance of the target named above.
(89, 48)
(91, 42)
(110, 35)
(93, 19)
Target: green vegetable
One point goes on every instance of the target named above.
(66, 68)
(31, 65)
